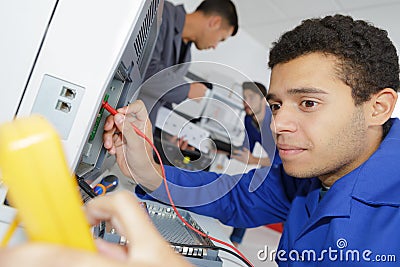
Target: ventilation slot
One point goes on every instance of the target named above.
(144, 30)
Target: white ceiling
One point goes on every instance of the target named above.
(266, 20)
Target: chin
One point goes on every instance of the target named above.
(198, 46)
(296, 172)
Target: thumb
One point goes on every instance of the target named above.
(119, 121)
(124, 125)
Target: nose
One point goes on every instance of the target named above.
(284, 121)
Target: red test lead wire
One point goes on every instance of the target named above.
(109, 108)
(113, 112)
(141, 134)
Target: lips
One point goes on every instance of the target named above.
(289, 150)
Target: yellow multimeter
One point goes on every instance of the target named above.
(40, 185)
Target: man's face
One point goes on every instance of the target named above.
(213, 34)
(319, 131)
(253, 103)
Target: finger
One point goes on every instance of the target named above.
(125, 127)
(118, 143)
(109, 123)
(111, 250)
(135, 225)
(135, 115)
(109, 130)
(238, 153)
(183, 144)
(137, 112)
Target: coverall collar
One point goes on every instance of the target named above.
(370, 183)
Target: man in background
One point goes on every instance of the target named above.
(211, 23)
(257, 129)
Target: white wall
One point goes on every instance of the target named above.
(241, 52)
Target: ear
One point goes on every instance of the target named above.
(382, 106)
(215, 22)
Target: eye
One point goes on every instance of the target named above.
(309, 103)
(274, 107)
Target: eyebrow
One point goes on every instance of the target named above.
(295, 91)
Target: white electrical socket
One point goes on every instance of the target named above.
(58, 101)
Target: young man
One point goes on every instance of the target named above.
(332, 93)
(211, 23)
(257, 128)
(333, 90)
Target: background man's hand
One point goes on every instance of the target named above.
(197, 91)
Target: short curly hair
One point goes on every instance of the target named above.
(367, 59)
